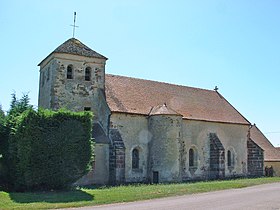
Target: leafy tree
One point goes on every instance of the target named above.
(2, 119)
(2, 114)
(2, 126)
(17, 107)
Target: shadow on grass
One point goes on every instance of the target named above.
(51, 197)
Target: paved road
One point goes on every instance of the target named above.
(265, 196)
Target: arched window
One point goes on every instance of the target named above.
(191, 158)
(87, 74)
(69, 72)
(135, 158)
(229, 160)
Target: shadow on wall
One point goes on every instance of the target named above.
(269, 171)
(51, 197)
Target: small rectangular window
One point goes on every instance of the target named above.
(87, 109)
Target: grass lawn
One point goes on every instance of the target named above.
(86, 197)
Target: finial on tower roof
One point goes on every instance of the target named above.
(74, 25)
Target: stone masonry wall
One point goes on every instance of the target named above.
(77, 93)
(165, 145)
(255, 159)
(117, 158)
(233, 137)
(134, 133)
(217, 158)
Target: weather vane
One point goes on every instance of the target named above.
(74, 25)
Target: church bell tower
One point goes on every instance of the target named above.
(73, 77)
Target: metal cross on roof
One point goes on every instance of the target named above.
(74, 25)
(216, 88)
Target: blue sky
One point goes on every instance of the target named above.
(234, 45)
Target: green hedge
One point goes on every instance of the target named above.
(50, 150)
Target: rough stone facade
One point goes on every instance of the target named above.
(165, 147)
(271, 155)
(255, 159)
(164, 142)
(217, 158)
(232, 137)
(160, 145)
(56, 91)
(117, 158)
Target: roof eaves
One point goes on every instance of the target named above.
(184, 118)
(127, 112)
(271, 160)
(45, 58)
(216, 121)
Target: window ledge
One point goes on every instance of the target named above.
(193, 167)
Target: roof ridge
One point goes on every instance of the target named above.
(149, 80)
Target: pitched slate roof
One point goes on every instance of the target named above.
(270, 152)
(138, 96)
(75, 47)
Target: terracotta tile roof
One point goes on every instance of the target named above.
(75, 47)
(131, 95)
(162, 110)
(270, 152)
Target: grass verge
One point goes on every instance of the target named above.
(86, 197)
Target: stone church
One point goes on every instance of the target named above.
(148, 131)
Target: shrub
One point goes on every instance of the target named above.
(50, 150)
